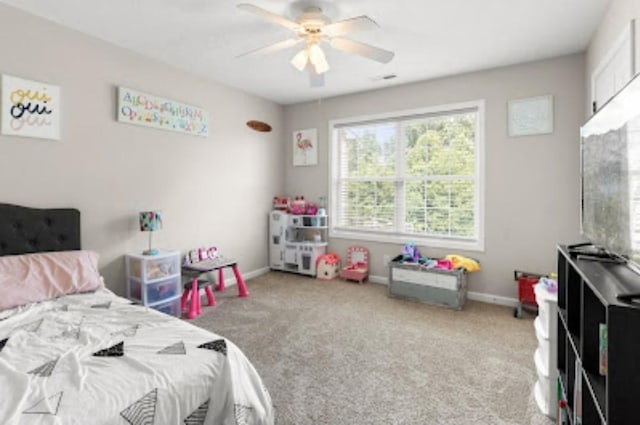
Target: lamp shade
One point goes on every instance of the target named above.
(150, 221)
(300, 59)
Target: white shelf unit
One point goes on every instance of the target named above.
(296, 241)
(545, 356)
(155, 281)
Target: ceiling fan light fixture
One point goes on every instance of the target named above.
(318, 59)
(300, 59)
(312, 27)
(321, 66)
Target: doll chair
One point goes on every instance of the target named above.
(357, 265)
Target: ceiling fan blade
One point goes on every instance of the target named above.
(362, 49)
(315, 79)
(270, 16)
(359, 23)
(281, 45)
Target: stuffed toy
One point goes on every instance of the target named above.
(280, 203)
(410, 253)
(298, 206)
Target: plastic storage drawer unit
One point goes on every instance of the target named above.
(151, 267)
(155, 291)
(170, 307)
(153, 279)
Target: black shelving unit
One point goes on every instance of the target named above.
(587, 298)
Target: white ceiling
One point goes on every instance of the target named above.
(430, 38)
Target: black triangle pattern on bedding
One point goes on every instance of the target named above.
(143, 411)
(218, 345)
(242, 414)
(74, 332)
(31, 326)
(76, 321)
(116, 350)
(46, 406)
(198, 416)
(128, 331)
(177, 348)
(45, 370)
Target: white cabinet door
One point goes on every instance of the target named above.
(616, 69)
(291, 254)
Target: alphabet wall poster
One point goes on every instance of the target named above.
(305, 147)
(136, 107)
(30, 108)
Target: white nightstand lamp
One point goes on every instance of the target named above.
(150, 221)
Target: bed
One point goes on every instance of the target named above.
(69, 355)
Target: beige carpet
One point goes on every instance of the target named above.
(340, 353)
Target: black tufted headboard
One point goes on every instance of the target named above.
(26, 230)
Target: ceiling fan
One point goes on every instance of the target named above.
(312, 28)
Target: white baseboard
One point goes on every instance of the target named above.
(476, 296)
(231, 281)
(255, 273)
(492, 299)
(384, 280)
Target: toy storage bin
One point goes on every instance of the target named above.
(547, 307)
(545, 356)
(544, 388)
(170, 307)
(155, 291)
(446, 288)
(526, 295)
(544, 347)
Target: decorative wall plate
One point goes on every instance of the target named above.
(259, 126)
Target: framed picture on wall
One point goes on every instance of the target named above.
(305, 147)
(30, 108)
(530, 116)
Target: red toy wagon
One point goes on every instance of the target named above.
(526, 295)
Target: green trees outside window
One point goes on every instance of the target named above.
(411, 176)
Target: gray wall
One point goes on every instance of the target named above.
(531, 185)
(213, 191)
(218, 190)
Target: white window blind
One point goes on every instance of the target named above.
(410, 176)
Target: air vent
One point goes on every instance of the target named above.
(384, 77)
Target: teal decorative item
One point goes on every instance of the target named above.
(150, 221)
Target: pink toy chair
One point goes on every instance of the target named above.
(192, 290)
(357, 267)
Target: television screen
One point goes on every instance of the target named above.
(610, 171)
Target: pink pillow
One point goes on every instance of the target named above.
(38, 277)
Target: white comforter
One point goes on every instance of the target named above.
(97, 359)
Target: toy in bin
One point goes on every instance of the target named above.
(526, 295)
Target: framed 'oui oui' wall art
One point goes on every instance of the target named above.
(29, 108)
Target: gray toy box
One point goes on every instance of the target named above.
(447, 288)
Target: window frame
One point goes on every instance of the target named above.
(469, 244)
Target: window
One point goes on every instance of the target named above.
(410, 176)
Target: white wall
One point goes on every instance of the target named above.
(532, 186)
(212, 191)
